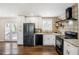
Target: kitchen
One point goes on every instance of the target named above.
(44, 31)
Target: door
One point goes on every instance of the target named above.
(10, 32)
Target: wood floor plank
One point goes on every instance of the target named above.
(11, 48)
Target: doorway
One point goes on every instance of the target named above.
(10, 32)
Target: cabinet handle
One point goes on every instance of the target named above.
(68, 52)
(68, 45)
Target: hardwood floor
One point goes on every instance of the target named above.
(11, 48)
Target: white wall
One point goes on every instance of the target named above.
(39, 9)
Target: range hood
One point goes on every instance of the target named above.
(69, 14)
(72, 18)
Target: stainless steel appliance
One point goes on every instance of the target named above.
(69, 14)
(71, 35)
(28, 34)
(60, 40)
(59, 45)
(39, 39)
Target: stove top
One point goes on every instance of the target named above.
(67, 37)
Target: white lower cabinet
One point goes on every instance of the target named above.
(70, 49)
(48, 39)
(20, 39)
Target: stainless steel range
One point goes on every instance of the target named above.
(60, 40)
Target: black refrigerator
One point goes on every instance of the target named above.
(28, 34)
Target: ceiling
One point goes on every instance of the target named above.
(33, 9)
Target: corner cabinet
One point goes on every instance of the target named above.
(70, 49)
(48, 39)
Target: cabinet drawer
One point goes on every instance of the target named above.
(69, 45)
(48, 39)
(48, 36)
(70, 49)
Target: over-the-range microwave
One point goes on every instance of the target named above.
(69, 13)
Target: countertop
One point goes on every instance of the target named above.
(48, 33)
(74, 42)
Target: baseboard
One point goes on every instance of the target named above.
(39, 45)
(20, 44)
(10, 41)
(48, 45)
(2, 41)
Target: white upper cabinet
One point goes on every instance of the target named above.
(47, 25)
(36, 20)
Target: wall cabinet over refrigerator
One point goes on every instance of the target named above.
(34, 19)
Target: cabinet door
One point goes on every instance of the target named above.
(52, 39)
(48, 40)
(70, 49)
(73, 50)
(45, 40)
(47, 23)
(66, 52)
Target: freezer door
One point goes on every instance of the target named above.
(25, 29)
(29, 40)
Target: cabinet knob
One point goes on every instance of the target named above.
(68, 45)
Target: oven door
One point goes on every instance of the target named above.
(59, 45)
